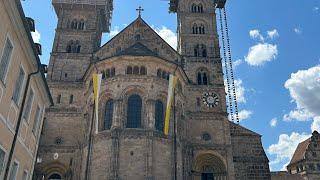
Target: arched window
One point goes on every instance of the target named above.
(135, 70)
(134, 111)
(159, 73)
(143, 70)
(164, 75)
(55, 177)
(108, 115)
(159, 115)
(77, 47)
(74, 24)
(196, 51)
(129, 70)
(202, 77)
(204, 51)
(71, 99)
(201, 29)
(59, 99)
(197, 8)
(200, 8)
(70, 46)
(194, 8)
(81, 25)
(195, 29)
(113, 72)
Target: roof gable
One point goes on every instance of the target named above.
(299, 153)
(137, 36)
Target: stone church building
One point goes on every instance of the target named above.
(130, 143)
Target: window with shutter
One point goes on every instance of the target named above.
(5, 59)
(18, 86)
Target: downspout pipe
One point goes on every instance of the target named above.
(17, 130)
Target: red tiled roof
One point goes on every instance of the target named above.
(300, 151)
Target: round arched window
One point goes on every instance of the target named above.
(206, 136)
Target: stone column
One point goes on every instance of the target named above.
(117, 114)
(150, 111)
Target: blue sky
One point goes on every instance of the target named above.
(275, 48)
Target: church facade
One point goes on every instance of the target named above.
(136, 64)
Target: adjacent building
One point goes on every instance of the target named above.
(24, 93)
(306, 158)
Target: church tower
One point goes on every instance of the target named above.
(78, 35)
(198, 40)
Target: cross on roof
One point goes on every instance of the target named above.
(140, 9)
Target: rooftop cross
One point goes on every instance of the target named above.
(140, 9)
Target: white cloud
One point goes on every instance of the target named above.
(298, 114)
(273, 34)
(297, 30)
(36, 36)
(273, 122)
(316, 9)
(261, 53)
(244, 114)
(304, 88)
(168, 35)
(315, 126)
(255, 34)
(284, 149)
(114, 31)
(237, 63)
(240, 90)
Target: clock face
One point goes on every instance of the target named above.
(210, 99)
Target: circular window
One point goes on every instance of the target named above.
(206, 137)
(58, 140)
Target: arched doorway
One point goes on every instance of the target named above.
(209, 167)
(55, 176)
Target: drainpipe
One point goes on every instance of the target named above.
(17, 130)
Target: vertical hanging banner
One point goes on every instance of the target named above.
(96, 91)
(172, 84)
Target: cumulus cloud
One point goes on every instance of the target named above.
(273, 34)
(255, 34)
(315, 126)
(304, 88)
(168, 35)
(244, 114)
(36, 36)
(297, 30)
(298, 114)
(237, 63)
(261, 53)
(240, 90)
(273, 122)
(283, 150)
(114, 31)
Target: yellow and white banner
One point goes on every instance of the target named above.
(172, 85)
(96, 92)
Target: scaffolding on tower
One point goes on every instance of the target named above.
(227, 58)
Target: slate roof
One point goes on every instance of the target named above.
(138, 49)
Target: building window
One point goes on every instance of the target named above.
(59, 99)
(73, 47)
(197, 8)
(318, 167)
(206, 137)
(74, 24)
(71, 99)
(138, 37)
(129, 70)
(27, 109)
(135, 70)
(18, 86)
(81, 25)
(311, 167)
(113, 72)
(5, 60)
(159, 115)
(200, 50)
(143, 70)
(55, 177)
(36, 122)
(2, 156)
(198, 29)
(202, 77)
(134, 111)
(159, 73)
(108, 114)
(25, 175)
(13, 171)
